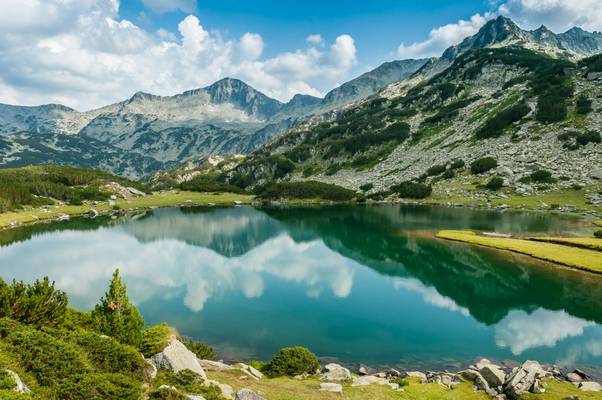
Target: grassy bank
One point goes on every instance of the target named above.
(586, 243)
(580, 258)
(29, 215)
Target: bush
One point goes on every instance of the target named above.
(107, 354)
(116, 317)
(583, 104)
(306, 190)
(36, 304)
(483, 165)
(542, 176)
(190, 382)
(6, 381)
(203, 351)
(448, 174)
(366, 187)
(167, 393)
(588, 137)
(598, 233)
(412, 190)
(204, 184)
(98, 386)
(495, 183)
(292, 361)
(436, 170)
(457, 164)
(46, 357)
(154, 339)
(495, 125)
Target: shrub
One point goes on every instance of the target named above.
(436, 170)
(598, 233)
(36, 304)
(167, 393)
(495, 183)
(107, 354)
(116, 317)
(457, 164)
(205, 184)
(189, 382)
(154, 339)
(306, 190)
(292, 361)
(495, 125)
(412, 190)
(6, 381)
(203, 351)
(583, 104)
(98, 386)
(483, 165)
(542, 176)
(366, 187)
(588, 137)
(448, 174)
(46, 357)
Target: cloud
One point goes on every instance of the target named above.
(83, 55)
(558, 15)
(315, 39)
(161, 6)
(429, 294)
(443, 37)
(520, 331)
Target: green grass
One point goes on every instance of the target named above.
(561, 391)
(309, 389)
(598, 222)
(584, 259)
(583, 242)
(162, 199)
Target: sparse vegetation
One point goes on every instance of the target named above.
(496, 125)
(482, 165)
(412, 190)
(305, 190)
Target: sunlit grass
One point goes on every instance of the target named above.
(570, 256)
(588, 243)
(159, 199)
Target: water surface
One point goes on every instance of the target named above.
(356, 284)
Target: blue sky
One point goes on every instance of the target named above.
(89, 53)
(377, 26)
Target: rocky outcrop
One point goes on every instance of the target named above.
(336, 373)
(176, 357)
(526, 378)
(249, 370)
(590, 386)
(247, 394)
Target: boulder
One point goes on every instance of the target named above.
(417, 374)
(150, 369)
(249, 370)
(210, 365)
(331, 387)
(227, 391)
(336, 373)
(369, 380)
(493, 374)
(247, 394)
(596, 173)
(574, 377)
(479, 382)
(176, 357)
(523, 379)
(20, 387)
(590, 387)
(362, 370)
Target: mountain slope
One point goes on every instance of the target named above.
(526, 110)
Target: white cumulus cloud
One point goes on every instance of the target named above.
(520, 331)
(82, 54)
(315, 38)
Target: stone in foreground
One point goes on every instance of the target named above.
(590, 387)
(176, 357)
(331, 387)
(336, 373)
(247, 394)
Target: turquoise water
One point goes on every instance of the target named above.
(354, 284)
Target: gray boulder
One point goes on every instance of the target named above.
(176, 357)
(331, 387)
(479, 382)
(247, 394)
(590, 387)
(336, 373)
(493, 374)
(523, 379)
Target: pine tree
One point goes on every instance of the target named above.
(116, 317)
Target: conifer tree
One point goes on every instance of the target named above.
(116, 317)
